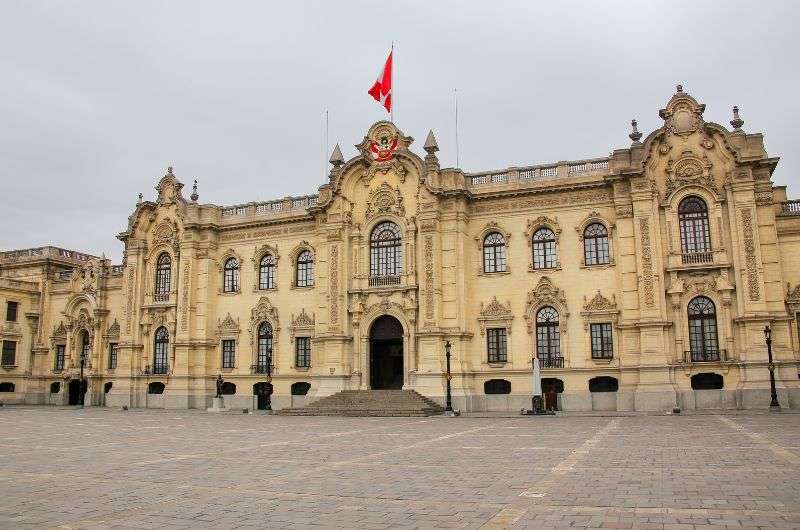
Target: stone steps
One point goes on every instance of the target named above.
(369, 403)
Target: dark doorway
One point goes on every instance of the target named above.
(497, 386)
(74, 388)
(262, 392)
(300, 388)
(551, 388)
(386, 353)
(707, 381)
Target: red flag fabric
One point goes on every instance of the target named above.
(382, 89)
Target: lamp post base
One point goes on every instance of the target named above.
(774, 408)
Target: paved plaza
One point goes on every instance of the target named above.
(102, 468)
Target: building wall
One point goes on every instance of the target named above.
(442, 294)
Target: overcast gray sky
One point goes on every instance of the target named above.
(98, 97)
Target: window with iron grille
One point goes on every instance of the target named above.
(595, 244)
(9, 353)
(496, 345)
(163, 273)
(228, 353)
(602, 342)
(703, 342)
(305, 269)
(231, 278)
(112, 355)
(384, 250)
(266, 272)
(86, 346)
(11, 311)
(60, 354)
(544, 249)
(161, 351)
(693, 220)
(494, 253)
(264, 358)
(548, 335)
(303, 352)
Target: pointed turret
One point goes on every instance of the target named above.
(336, 157)
(431, 146)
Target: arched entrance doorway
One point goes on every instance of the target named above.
(262, 391)
(74, 389)
(386, 353)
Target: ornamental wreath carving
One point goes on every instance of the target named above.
(384, 200)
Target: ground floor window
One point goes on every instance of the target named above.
(602, 343)
(9, 353)
(300, 388)
(303, 352)
(497, 386)
(496, 345)
(603, 384)
(6, 387)
(55, 388)
(228, 353)
(155, 388)
(228, 389)
(707, 381)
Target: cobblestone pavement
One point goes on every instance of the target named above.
(98, 468)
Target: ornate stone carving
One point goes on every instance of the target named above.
(793, 295)
(751, 264)
(600, 303)
(546, 200)
(428, 250)
(302, 323)
(683, 115)
(334, 286)
(545, 294)
(60, 331)
(763, 197)
(624, 210)
(495, 314)
(187, 282)
(646, 278)
(689, 170)
(131, 280)
(541, 222)
(384, 200)
(228, 326)
(163, 234)
(113, 330)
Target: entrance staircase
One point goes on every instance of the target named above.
(369, 403)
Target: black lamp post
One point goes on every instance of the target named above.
(81, 387)
(269, 380)
(773, 404)
(449, 403)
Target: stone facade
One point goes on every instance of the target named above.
(437, 284)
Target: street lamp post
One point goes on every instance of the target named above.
(269, 380)
(449, 403)
(81, 387)
(773, 404)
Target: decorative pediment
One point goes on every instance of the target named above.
(793, 295)
(382, 142)
(689, 170)
(495, 314)
(113, 330)
(541, 222)
(683, 114)
(600, 303)
(164, 234)
(60, 331)
(546, 293)
(264, 310)
(86, 279)
(169, 189)
(303, 320)
(384, 200)
(228, 326)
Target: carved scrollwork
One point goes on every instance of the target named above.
(384, 200)
(494, 315)
(546, 294)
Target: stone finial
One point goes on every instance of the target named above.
(736, 122)
(635, 135)
(169, 172)
(431, 146)
(336, 157)
(679, 89)
(140, 199)
(194, 196)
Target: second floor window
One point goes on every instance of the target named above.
(112, 355)
(384, 250)
(703, 342)
(230, 283)
(266, 272)
(305, 269)
(9, 353)
(548, 335)
(86, 346)
(693, 220)
(60, 355)
(228, 353)
(161, 351)
(303, 352)
(11, 311)
(544, 249)
(602, 343)
(264, 358)
(163, 273)
(595, 245)
(496, 345)
(494, 253)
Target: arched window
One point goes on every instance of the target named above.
(163, 273)
(384, 250)
(494, 253)
(707, 381)
(703, 343)
(230, 282)
(305, 269)
(497, 386)
(161, 351)
(155, 387)
(544, 249)
(300, 388)
(264, 354)
(595, 244)
(693, 219)
(548, 338)
(266, 272)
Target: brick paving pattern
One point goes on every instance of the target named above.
(99, 468)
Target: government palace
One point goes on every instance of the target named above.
(643, 280)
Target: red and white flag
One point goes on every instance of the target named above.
(382, 89)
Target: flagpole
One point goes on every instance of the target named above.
(455, 97)
(393, 84)
(325, 158)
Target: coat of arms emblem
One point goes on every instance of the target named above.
(383, 146)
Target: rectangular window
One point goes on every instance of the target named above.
(228, 353)
(602, 343)
(303, 352)
(60, 351)
(9, 353)
(496, 345)
(112, 355)
(11, 311)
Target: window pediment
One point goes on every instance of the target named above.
(495, 315)
(228, 326)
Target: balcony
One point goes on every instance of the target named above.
(384, 281)
(159, 369)
(161, 298)
(260, 368)
(790, 207)
(550, 361)
(708, 356)
(692, 258)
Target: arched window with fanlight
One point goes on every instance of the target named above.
(266, 272)
(385, 257)
(494, 253)
(595, 245)
(161, 351)
(163, 274)
(264, 349)
(230, 280)
(544, 249)
(703, 340)
(548, 338)
(695, 234)
(305, 269)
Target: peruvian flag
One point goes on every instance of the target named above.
(382, 89)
